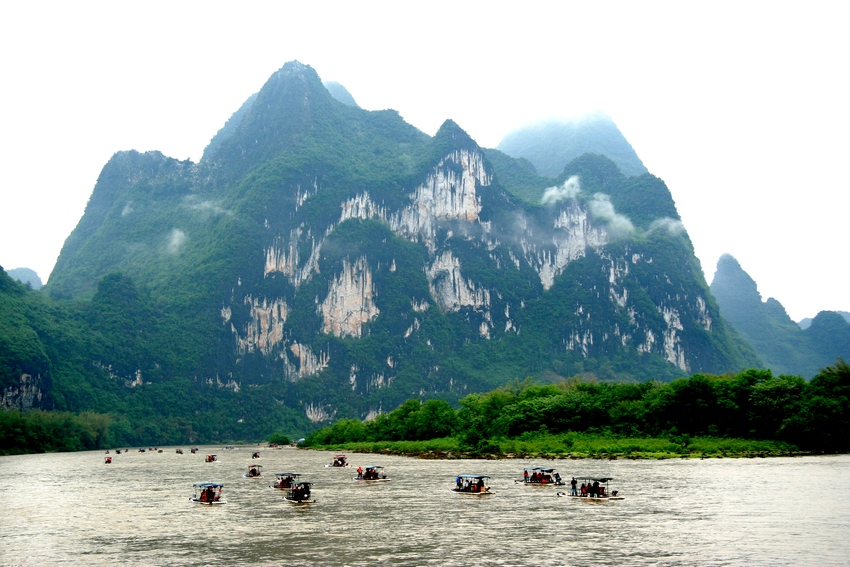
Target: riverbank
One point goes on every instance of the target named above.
(575, 446)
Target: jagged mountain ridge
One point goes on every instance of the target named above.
(784, 347)
(345, 261)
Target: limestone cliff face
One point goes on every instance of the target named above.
(350, 302)
(572, 235)
(448, 193)
(25, 395)
(264, 330)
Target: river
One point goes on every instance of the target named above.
(72, 509)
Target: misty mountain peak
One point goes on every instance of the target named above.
(340, 93)
(730, 278)
(552, 144)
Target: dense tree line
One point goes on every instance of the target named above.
(754, 404)
(41, 431)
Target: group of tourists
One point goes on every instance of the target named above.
(541, 477)
(209, 494)
(593, 490)
(470, 485)
(371, 473)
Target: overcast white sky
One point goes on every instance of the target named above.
(742, 108)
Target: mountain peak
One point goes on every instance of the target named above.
(453, 134)
(340, 93)
(730, 278)
(551, 144)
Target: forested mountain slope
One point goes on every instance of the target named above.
(324, 261)
(784, 347)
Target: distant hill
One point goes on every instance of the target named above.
(807, 322)
(551, 145)
(784, 347)
(25, 275)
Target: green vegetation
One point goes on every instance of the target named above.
(40, 431)
(752, 412)
(781, 344)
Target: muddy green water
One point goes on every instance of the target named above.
(72, 509)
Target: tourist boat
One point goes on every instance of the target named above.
(372, 473)
(179, 451)
(472, 484)
(208, 493)
(107, 461)
(193, 450)
(593, 490)
(338, 462)
(300, 493)
(211, 458)
(229, 447)
(541, 476)
(255, 455)
(253, 471)
(285, 480)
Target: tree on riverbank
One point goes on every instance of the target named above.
(753, 405)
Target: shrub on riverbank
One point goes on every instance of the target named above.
(751, 412)
(575, 445)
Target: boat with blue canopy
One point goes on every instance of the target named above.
(540, 476)
(208, 493)
(473, 484)
(371, 473)
(593, 489)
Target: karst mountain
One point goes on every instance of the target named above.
(325, 261)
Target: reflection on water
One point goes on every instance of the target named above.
(72, 509)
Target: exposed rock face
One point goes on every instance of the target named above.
(350, 301)
(572, 235)
(25, 395)
(449, 288)
(264, 331)
(308, 363)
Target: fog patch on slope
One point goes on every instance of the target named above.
(619, 226)
(568, 190)
(175, 241)
(672, 227)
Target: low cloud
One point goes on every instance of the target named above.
(208, 207)
(175, 241)
(568, 190)
(672, 227)
(601, 208)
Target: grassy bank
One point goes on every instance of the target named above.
(575, 445)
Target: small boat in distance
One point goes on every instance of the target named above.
(107, 461)
(300, 494)
(193, 450)
(179, 451)
(253, 471)
(208, 493)
(541, 476)
(371, 473)
(285, 480)
(593, 489)
(338, 462)
(255, 455)
(471, 484)
(211, 458)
